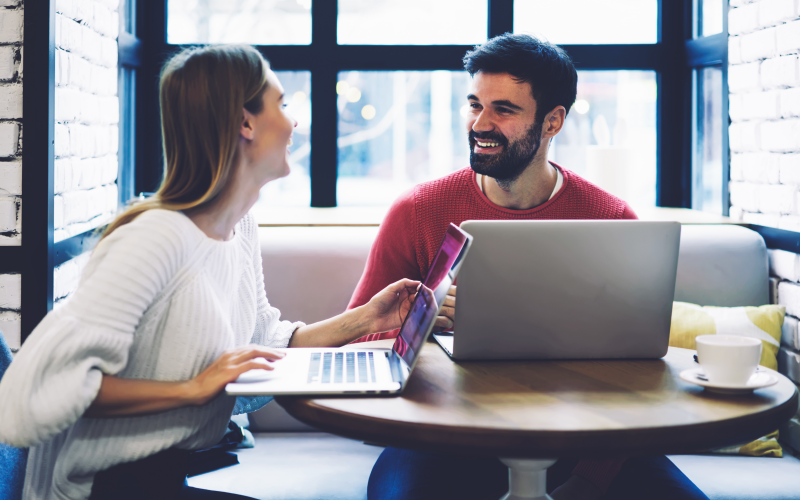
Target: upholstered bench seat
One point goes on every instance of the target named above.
(742, 478)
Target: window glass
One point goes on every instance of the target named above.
(412, 22)
(710, 18)
(707, 175)
(609, 136)
(588, 21)
(293, 190)
(261, 22)
(397, 129)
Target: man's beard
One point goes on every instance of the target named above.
(507, 166)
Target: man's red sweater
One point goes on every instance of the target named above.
(413, 229)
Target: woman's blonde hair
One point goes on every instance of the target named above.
(202, 92)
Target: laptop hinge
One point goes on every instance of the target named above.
(395, 364)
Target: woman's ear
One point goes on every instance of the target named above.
(247, 130)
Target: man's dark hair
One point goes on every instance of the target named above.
(544, 66)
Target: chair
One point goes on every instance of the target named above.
(12, 460)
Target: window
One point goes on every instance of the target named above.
(377, 87)
(707, 51)
(707, 179)
(264, 22)
(609, 137)
(397, 129)
(294, 189)
(588, 21)
(411, 22)
(709, 21)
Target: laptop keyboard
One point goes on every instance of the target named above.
(344, 367)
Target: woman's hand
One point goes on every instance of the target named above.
(122, 397)
(389, 307)
(228, 367)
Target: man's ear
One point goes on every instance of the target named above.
(247, 130)
(554, 122)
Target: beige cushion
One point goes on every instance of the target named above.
(310, 272)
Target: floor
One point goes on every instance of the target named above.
(315, 465)
(297, 466)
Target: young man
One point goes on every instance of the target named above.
(522, 89)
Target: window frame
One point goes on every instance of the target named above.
(704, 52)
(324, 58)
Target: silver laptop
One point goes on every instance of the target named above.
(311, 371)
(565, 290)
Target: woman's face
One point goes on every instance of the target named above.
(267, 136)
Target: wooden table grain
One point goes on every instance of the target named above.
(539, 409)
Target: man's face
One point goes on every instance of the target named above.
(503, 134)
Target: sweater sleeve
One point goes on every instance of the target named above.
(628, 213)
(57, 373)
(392, 256)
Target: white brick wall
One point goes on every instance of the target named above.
(87, 115)
(764, 83)
(86, 133)
(11, 15)
(66, 276)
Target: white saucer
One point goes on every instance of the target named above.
(762, 378)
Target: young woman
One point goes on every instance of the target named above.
(114, 387)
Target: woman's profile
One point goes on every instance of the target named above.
(114, 388)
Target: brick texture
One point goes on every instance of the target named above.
(87, 115)
(11, 16)
(86, 130)
(764, 134)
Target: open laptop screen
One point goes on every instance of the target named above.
(432, 293)
(446, 257)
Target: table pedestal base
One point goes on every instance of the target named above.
(527, 478)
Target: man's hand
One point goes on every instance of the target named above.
(577, 488)
(447, 316)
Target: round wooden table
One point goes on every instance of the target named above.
(529, 413)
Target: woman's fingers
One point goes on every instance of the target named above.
(253, 364)
(404, 285)
(254, 351)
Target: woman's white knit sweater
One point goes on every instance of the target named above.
(158, 300)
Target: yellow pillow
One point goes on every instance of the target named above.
(764, 323)
(767, 446)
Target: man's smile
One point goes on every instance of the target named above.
(486, 146)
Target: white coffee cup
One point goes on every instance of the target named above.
(728, 359)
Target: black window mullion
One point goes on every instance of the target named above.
(324, 115)
(707, 50)
(38, 108)
(501, 17)
(616, 57)
(152, 33)
(673, 128)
